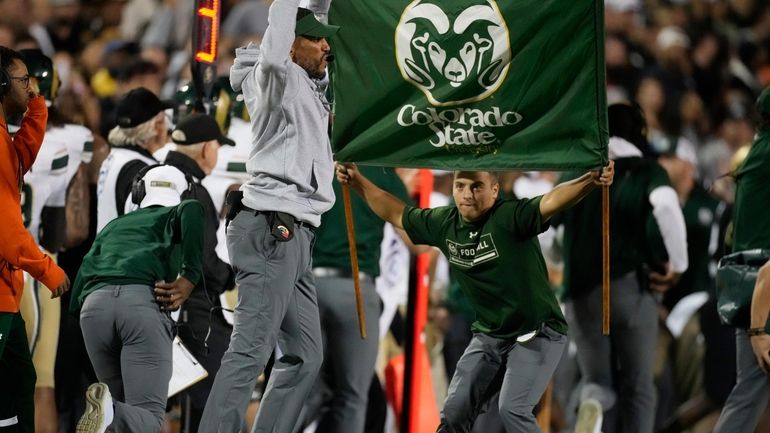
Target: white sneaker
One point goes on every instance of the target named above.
(99, 411)
(589, 418)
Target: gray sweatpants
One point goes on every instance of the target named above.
(348, 360)
(128, 340)
(630, 348)
(276, 301)
(749, 397)
(520, 371)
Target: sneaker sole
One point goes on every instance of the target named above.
(93, 418)
(589, 418)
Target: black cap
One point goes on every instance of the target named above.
(198, 128)
(138, 106)
(308, 25)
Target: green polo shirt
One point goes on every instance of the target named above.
(331, 244)
(497, 262)
(142, 247)
(635, 179)
(751, 214)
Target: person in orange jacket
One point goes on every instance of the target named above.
(18, 251)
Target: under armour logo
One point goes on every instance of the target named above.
(473, 235)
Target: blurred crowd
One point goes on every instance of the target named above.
(695, 67)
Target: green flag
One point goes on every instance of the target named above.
(470, 84)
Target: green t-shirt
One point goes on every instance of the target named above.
(701, 217)
(635, 178)
(142, 247)
(751, 214)
(497, 262)
(331, 244)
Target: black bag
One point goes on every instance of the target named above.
(233, 200)
(736, 277)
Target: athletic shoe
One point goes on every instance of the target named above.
(589, 418)
(99, 411)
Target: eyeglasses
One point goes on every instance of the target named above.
(24, 80)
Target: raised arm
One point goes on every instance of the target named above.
(321, 9)
(279, 35)
(29, 137)
(567, 194)
(384, 204)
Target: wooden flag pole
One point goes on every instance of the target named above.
(354, 260)
(606, 260)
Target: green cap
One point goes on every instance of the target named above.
(763, 102)
(308, 25)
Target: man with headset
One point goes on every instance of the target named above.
(141, 266)
(204, 331)
(142, 129)
(18, 250)
(44, 198)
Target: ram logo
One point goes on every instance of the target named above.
(453, 58)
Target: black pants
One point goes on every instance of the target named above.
(17, 377)
(193, 327)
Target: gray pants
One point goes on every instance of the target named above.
(520, 371)
(128, 340)
(348, 360)
(750, 395)
(628, 354)
(276, 301)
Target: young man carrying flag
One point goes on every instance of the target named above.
(491, 244)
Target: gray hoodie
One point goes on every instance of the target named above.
(290, 160)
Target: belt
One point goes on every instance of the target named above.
(244, 208)
(325, 272)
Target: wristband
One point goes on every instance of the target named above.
(752, 332)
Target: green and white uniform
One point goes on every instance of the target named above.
(751, 222)
(45, 185)
(500, 268)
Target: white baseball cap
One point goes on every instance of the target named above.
(163, 186)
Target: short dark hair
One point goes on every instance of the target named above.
(626, 121)
(7, 56)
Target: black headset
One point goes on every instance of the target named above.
(139, 191)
